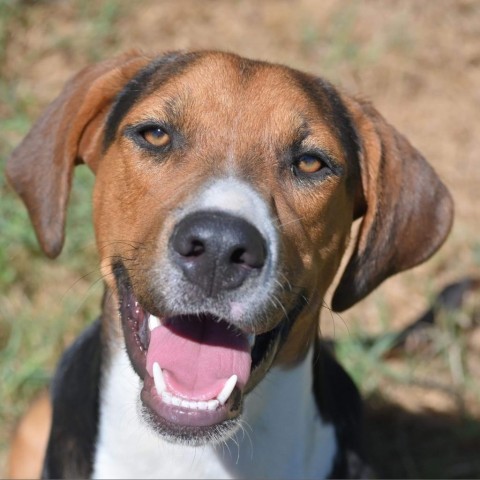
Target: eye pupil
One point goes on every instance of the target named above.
(156, 136)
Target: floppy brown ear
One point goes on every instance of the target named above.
(408, 213)
(67, 133)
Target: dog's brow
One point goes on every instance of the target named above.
(324, 96)
(174, 108)
(302, 132)
(152, 76)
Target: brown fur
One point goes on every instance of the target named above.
(240, 118)
(30, 441)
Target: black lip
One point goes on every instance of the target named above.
(134, 321)
(186, 434)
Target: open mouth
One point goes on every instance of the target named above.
(195, 368)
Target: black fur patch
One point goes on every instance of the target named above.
(75, 400)
(340, 404)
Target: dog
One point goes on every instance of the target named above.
(225, 193)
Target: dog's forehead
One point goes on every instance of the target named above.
(226, 92)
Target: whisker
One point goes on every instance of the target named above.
(332, 316)
(283, 225)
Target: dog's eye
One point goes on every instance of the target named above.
(155, 136)
(308, 164)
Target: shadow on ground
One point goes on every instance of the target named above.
(429, 444)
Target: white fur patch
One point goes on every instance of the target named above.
(283, 435)
(234, 196)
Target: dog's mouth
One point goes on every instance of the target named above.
(195, 368)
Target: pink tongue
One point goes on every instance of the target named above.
(198, 355)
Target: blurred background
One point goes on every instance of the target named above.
(418, 62)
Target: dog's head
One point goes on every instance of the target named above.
(225, 193)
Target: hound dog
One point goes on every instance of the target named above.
(225, 193)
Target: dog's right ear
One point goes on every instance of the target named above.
(67, 133)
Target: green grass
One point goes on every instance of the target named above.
(424, 444)
(444, 343)
(44, 304)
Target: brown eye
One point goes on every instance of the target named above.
(156, 136)
(308, 164)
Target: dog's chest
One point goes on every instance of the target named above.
(282, 434)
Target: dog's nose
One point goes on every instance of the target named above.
(217, 251)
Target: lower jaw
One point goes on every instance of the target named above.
(187, 426)
(194, 427)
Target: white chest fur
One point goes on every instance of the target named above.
(283, 435)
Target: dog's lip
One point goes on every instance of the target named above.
(137, 336)
(169, 415)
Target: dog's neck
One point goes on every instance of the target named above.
(282, 434)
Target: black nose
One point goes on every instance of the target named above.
(217, 251)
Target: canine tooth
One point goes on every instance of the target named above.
(212, 404)
(227, 389)
(158, 379)
(153, 322)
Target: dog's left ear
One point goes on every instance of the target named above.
(408, 210)
(67, 133)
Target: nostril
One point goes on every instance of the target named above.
(189, 247)
(238, 256)
(197, 249)
(250, 258)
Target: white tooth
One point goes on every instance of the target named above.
(167, 398)
(185, 403)
(227, 389)
(176, 401)
(158, 379)
(202, 405)
(153, 322)
(251, 339)
(212, 404)
(193, 405)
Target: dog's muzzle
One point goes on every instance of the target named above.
(198, 358)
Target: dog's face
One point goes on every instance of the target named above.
(242, 177)
(225, 193)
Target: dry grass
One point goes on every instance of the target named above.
(419, 62)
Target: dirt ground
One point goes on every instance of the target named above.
(419, 63)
